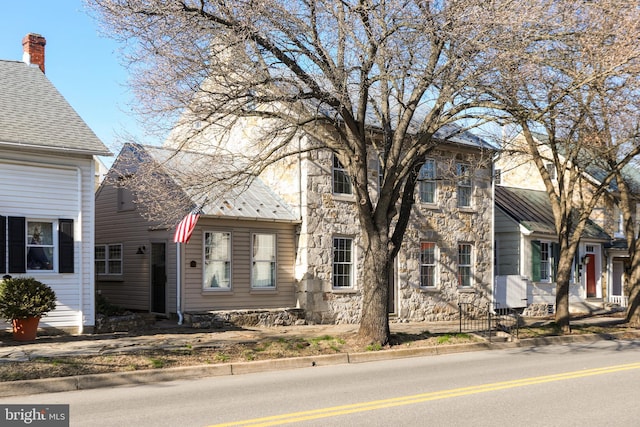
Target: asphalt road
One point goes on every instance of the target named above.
(593, 384)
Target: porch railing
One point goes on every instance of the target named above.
(488, 320)
(621, 300)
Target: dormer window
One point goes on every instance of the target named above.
(551, 170)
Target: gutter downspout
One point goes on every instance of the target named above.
(300, 177)
(178, 284)
(493, 232)
(80, 255)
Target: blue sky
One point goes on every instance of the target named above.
(83, 65)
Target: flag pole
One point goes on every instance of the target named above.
(178, 284)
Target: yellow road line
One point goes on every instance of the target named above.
(423, 397)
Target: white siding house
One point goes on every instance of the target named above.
(47, 190)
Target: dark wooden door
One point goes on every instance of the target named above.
(158, 278)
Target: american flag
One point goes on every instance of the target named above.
(186, 226)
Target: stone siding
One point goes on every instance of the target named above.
(326, 215)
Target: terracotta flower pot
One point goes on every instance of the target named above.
(25, 329)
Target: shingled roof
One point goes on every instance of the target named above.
(532, 210)
(33, 114)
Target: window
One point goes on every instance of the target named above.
(342, 262)
(545, 264)
(463, 175)
(341, 180)
(619, 217)
(551, 169)
(108, 259)
(36, 245)
(427, 181)
(217, 260)
(464, 265)
(543, 259)
(427, 264)
(40, 245)
(497, 176)
(125, 196)
(263, 273)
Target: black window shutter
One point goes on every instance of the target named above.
(17, 245)
(65, 241)
(3, 244)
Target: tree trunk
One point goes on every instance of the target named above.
(374, 323)
(633, 311)
(563, 276)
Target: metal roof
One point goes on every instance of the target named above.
(253, 201)
(33, 114)
(532, 209)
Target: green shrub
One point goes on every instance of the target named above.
(103, 306)
(25, 297)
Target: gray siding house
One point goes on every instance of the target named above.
(240, 256)
(527, 253)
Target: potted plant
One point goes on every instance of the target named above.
(23, 300)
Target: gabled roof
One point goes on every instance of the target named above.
(596, 167)
(33, 114)
(532, 210)
(254, 201)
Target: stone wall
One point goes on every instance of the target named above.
(326, 215)
(264, 318)
(126, 323)
(539, 310)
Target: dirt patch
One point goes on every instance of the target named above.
(187, 350)
(192, 355)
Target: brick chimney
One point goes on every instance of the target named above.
(33, 48)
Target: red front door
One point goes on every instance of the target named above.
(591, 276)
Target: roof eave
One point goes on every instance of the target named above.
(254, 219)
(106, 153)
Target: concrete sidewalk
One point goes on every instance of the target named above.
(168, 336)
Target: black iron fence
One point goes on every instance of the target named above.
(488, 320)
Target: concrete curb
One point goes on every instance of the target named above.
(86, 382)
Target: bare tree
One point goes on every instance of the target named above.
(572, 72)
(355, 75)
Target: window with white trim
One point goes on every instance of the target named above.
(108, 259)
(263, 272)
(341, 179)
(217, 260)
(465, 270)
(551, 170)
(36, 245)
(41, 245)
(497, 176)
(342, 262)
(543, 259)
(427, 179)
(464, 185)
(427, 264)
